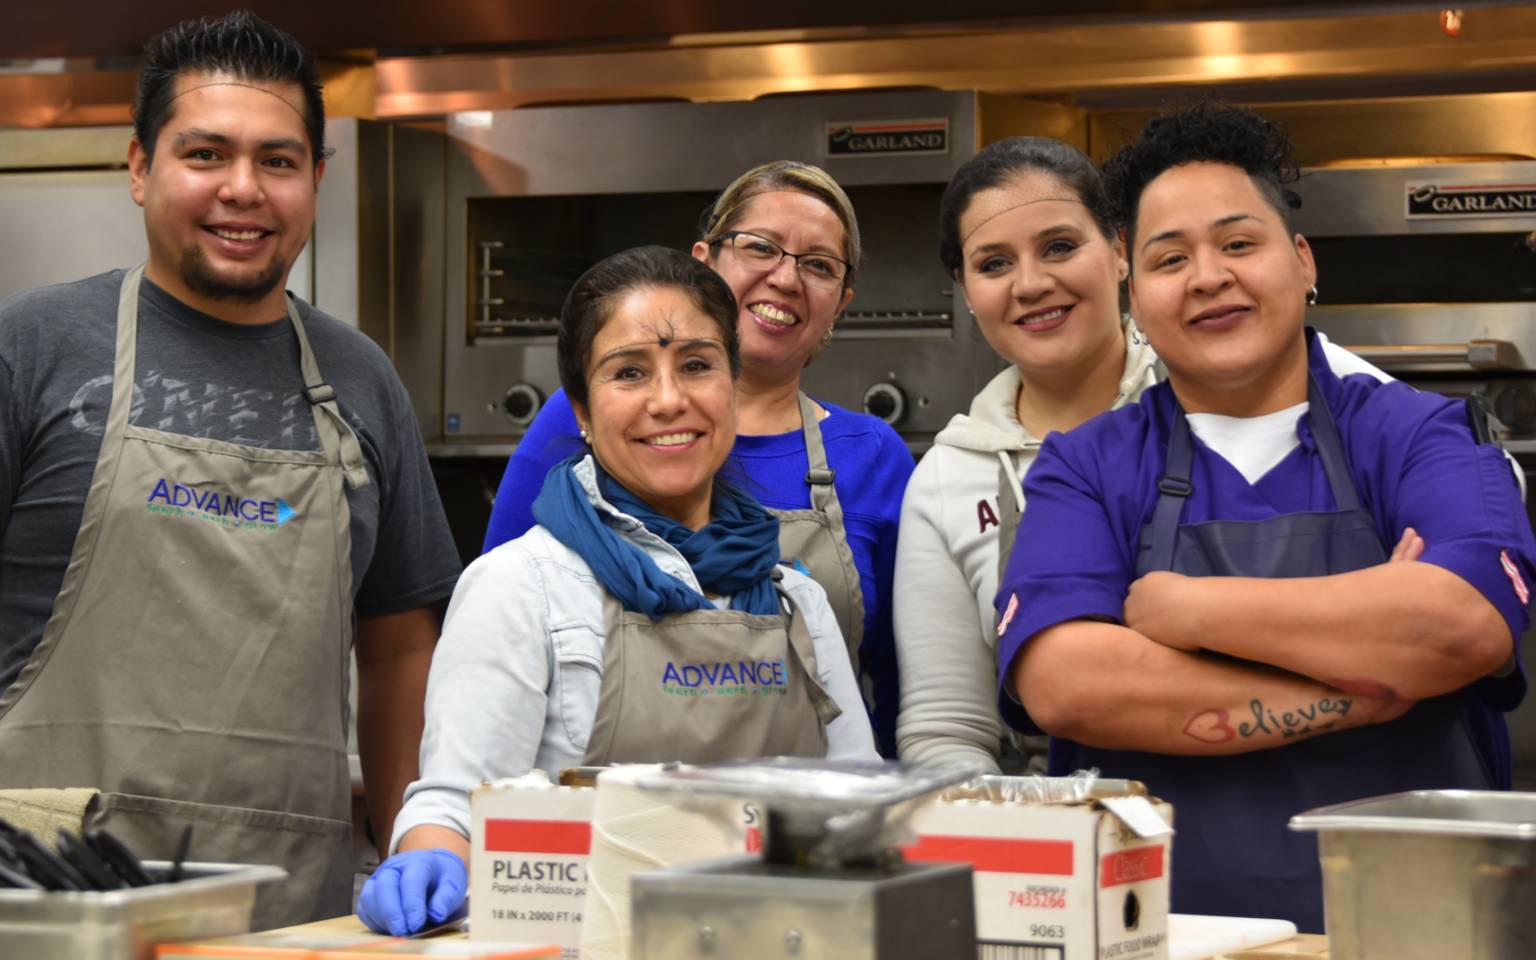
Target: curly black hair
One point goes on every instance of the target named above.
(1208, 130)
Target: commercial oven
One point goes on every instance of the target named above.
(535, 196)
(1428, 270)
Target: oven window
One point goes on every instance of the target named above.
(1464, 268)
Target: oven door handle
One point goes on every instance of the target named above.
(1474, 354)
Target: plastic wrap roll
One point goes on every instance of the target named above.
(634, 830)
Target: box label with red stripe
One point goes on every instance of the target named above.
(530, 879)
(1131, 866)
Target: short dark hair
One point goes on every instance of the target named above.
(240, 44)
(598, 291)
(999, 162)
(1205, 131)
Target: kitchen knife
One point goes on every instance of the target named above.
(74, 852)
(118, 857)
(44, 866)
(11, 877)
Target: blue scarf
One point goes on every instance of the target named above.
(734, 554)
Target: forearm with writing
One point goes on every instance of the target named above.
(1107, 686)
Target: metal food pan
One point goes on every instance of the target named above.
(212, 900)
(1430, 874)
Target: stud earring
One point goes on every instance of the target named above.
(1312, 295)
(584, 437)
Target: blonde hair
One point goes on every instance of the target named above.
(731, 205)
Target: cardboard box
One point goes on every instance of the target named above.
(1056, 881)
(528, 861)
(529, 852)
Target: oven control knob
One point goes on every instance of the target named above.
(886, 401)
(521, 403)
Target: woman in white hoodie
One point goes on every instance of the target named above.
(1025, 232)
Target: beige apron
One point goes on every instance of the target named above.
(708, 685)
(194, 667)
(818, 539)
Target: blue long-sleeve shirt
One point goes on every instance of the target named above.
(872, 465)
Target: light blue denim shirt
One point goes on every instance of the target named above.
(516, 675)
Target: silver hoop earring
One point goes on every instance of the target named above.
(1312, 295)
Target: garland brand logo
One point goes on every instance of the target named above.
(1469, 200)
(735, 678)
(226, 509)
(884, 138)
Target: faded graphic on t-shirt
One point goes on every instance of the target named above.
(253, 418)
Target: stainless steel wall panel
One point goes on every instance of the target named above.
(418, 268)
(67, 225)
(338, 208)
(1373, 200)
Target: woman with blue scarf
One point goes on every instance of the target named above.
(646, 616)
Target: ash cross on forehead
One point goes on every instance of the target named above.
(662, 339)
(665, 337)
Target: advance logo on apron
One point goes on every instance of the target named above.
(171, 499)
(742, 678)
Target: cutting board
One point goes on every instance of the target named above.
(1192, 937)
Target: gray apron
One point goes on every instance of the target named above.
(818, 539)
(1234, 855)
(1019, 753)
(194, 667)
(708, 685)
(1008, 515)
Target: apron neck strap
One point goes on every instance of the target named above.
(1173, 489)
(819, 476)
(1330, 448)
(127, 347)
(336, 435)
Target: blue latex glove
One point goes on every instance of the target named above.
(411, 888)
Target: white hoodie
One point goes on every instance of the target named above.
(946, 561)
(946, 570)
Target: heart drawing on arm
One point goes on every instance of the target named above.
(1210, 726)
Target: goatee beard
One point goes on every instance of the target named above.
(201, 279)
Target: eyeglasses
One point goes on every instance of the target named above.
(760, 255)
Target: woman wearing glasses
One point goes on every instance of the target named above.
(785, 239)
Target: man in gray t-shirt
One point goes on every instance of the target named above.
(203, 377)
(187, 554)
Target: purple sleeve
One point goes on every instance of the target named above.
(1463, 500)
(1068, 563)
(551, 437)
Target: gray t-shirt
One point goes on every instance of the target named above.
(200, 376)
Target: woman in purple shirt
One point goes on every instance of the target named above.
(1205, 595)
